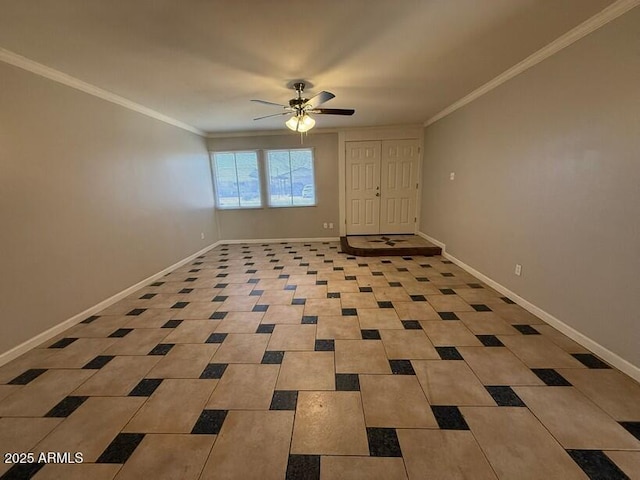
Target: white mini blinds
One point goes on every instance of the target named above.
(290, 179)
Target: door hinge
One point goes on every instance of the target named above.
(416, 186)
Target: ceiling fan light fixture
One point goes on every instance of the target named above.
(300, 123)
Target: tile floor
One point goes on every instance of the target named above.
(296, 361)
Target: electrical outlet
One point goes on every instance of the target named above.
(518, 270)
(325, 225)
(201, 235)
(452, 176)
(330, 225)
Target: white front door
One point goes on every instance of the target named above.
(381, 186)
(398, 186)
(363, 187)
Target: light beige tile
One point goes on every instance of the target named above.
(92, 427)
(574, 420)
(271, 283)
(78, 353)
(450, 333)
(323, 306)
(21, 434)
(292, 337)
(102, 327)
(407, 344)
(628, 462)
(371, 281)
(562, 341)
(245, 387)
(443, 454)
(307, 371)
(276, 297)
(342, 286)
(420, 288)
(241, 348)
(284, 314)
(174, 407)
(302, 280)
(614, 392)
(514, 442)
(184, 361)
(379, 318)
(6, 390)
(358, 300)
(362, 468)
(338, 327)
(391, 294)
(448, 303)
(262, 454)
(238, 304)
(192, 331)
(139, 342)
(36, 358)
(168, 457)
(329, 423)
(486, 323)
(43, 393)
(361, 356)
(450, 382)
(236, 289)
(79, 471)
(516, 315)
(118, 377)
(538, 352)
(498, 366)
(395, 401)
(415, 311)
(240, 322)
(311, 291)
(151, 318)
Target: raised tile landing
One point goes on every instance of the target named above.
(388, 245)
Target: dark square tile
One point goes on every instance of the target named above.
(121, 448)
(401, 367)
(418, 298)
(180, 304)
(303, 467)
(216, 338)
(260, 308)
(402, 269)
(321, 282)
(272, 357)
(338, 269)
(425, 265)
(324, 346)
(157, 284)
(284, 400)
(447, 291)
(161, 349)
(505, 396)
(147, 296)
(448, 316)
(63, 342)
(526, 329)
(298, 301)
(284, 275)
(383, 442)
(221, 285)
(633, 428)
(290, 287)
(448, 274)
(90, 319)
(219, 298)
(309, 320)
(386, 261)
(365, 289)
(172, 324)
(349, 277)
(27, 376)
(449, 353)
(347, 382)
(349, 312)
(490, 341)
(256, 293)
(411, 325)
(210, 422)
(98, 362)
(395, 284)
(385, 305)
(253, 280)
(590, 360)
(186, 290)
(377, 274)
(422, 279)
(550, 377)
(370, 334)
(218, 315)
(507, 300)
(597, 465)
(475, 285)
(312, 272)
(121, 332)
(193, 279)
(137, 311)
(265, 328)
(333, 295)
(448, 262)
(449, 417)
(66, 407)
(145, 387)
(213, 370)
(481, 308)
(407, 258)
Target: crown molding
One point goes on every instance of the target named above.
(319, 131)
(613, 11)
(19, 61)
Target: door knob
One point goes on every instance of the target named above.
(377, 194)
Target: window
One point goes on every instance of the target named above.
(237, 179)
(290, 178)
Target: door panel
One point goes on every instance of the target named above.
(363, 177)
(399, 170)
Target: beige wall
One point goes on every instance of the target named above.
(548, 175)
(298, 222)
(93, 199)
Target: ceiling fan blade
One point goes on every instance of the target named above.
(269, 103)
(273, 115)
(333, 111)
(318, 99)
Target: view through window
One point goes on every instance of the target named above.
(237, 179)
(290, 177)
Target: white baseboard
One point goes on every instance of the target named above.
(277, 240)
(61, 327)
(590, 344)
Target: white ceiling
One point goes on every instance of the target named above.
(201, 61)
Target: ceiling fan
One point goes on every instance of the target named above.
(300, 109)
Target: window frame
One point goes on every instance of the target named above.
(267, 177)
(215, 178)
